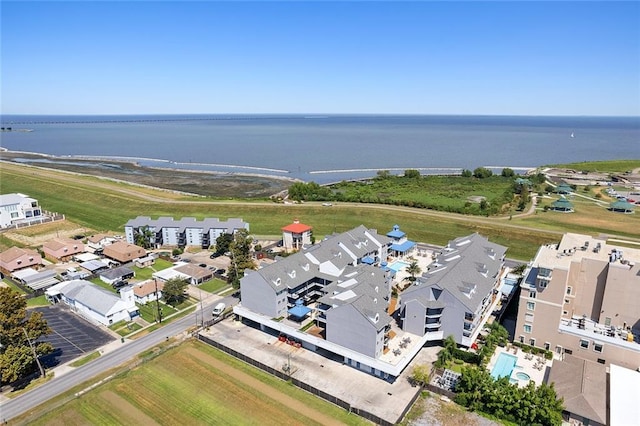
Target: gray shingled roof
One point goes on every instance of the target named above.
(112, 274)
(187, 222)
(466, 268)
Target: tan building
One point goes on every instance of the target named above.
(16, 258)
(124, 252)
(581, 297)
(62, 249)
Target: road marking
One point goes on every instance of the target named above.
(72, 344)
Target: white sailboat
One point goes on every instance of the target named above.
(572, 135)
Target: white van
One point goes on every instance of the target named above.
(219, 309)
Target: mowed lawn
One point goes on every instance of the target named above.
(196, 384)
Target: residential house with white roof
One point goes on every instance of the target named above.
(94, 303)
(456, 294)
(16, 207)
(188, 231)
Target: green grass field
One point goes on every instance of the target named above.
(145, 273)
(523, 236)
(149, 312)
(194, 384)
(213, 286)
(613, 166)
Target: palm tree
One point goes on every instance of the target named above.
(413, 270)
(143, 237)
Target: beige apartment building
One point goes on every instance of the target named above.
(582, 297)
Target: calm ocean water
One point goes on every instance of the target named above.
(328, 148)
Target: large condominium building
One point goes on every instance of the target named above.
(166, 231)
(16, 208)
(456, 295)
(329, 282)
(581, 297)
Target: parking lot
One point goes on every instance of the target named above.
(71, 336)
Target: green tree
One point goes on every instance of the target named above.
(507, 172)
(16, 356)
(412, 173)
(143, 237)
(383, 174)
(467, 173)
(420, 375)
(223, 242)
(413, 270)
(482, 172)
(240, 257)
(173, 291)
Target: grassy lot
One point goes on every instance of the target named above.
(213, 286)
(145, 273)
(195, 384)
(37, 301)
(445, 193)
(82, 361)
(13, 286)
(149, 311)
(6, 243)
(78, 200)
(615, 166)
(99, 282)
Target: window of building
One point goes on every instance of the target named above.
(547, 346)
(565, 312)
(601, 361)
(527, 328)
(532, 294)
(521, 339)
(584, 344)
(532, 342)
(569, 290)
(543, 283)
(531, 306)
(566, 301)
(14, 215)
(597, 347)
(568, 351)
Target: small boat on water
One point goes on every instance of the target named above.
(573, 135)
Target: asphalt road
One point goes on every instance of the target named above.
(28, 401)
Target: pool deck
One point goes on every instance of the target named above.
(528, 365)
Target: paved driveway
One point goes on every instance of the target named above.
(71, 335)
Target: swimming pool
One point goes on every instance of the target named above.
(504, 366)
(398, 265)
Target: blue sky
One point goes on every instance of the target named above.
(512, 58)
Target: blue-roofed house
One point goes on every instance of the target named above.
(400, 246)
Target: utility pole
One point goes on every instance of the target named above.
(155, 280)
(35, 355)
(201, 309)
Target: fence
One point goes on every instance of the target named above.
(50, 217)
(307, 387)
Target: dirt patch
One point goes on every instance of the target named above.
(192, 182)
(476, 199)
(446, 413)
(263, 388)
(37, 235)
(127, 410)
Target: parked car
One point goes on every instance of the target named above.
(220, 272)
(203, 265)
(214, 255)
(218, 309)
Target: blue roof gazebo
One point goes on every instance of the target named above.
(562, 205)
(396, 233)
(368, 260)
(621, 207)
(404, 247)
(299, 311)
